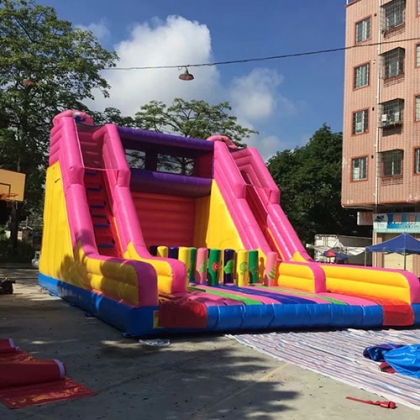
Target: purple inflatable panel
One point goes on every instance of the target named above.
(163, 140)
(169, 184)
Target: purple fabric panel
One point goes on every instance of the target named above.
(164, 139)
(173, 184)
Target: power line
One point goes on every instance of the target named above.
(274, 57)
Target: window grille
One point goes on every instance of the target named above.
(391, 112)
(393, 14)
(392, 163)
(393, 63)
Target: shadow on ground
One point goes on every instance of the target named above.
(206, 377)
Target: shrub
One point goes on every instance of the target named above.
(23, 253)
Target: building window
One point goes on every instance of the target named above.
(418, 7)
(392, 163)
(417, 108)
(392, 112)
(417, 161)
(361, 76)
(394, 14)
(359, 169)
(363, 30)
(418, 54)
(393, 62)
(360, 122)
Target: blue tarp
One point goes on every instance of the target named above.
(403, 244)
(334, 254)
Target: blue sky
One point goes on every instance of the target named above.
(286, 100)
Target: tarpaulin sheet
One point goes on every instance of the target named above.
(25, 381)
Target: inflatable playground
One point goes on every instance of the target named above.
(153, 252)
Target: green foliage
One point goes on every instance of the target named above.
(113, 116)
(23, 253)
(196, 119)
(46, 66)
(309, 178)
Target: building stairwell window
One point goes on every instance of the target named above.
(417, 161)
(361, 76)
(359, 169)
(360, 122)
(363, 30)
(418, 55)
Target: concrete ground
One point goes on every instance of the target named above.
(207, 377)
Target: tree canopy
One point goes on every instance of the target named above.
(194, 119)
(309, 178)
(46, 66)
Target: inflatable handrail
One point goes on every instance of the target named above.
(81, 228)
(126, 218)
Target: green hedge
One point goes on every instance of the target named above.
(22, 254)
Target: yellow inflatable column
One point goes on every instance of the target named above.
(242, 269)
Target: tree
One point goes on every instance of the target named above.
(113, 116)
(195, 119)
(309, 178)
(46, 66)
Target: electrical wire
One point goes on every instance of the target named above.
(274, 57)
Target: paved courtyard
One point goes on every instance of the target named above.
(205, 377)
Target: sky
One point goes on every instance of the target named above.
(285, 100)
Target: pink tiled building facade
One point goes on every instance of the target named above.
(381, 130)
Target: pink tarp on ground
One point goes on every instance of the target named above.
(25, 381)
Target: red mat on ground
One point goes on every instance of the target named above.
(25, 381)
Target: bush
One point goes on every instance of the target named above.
(22, 254)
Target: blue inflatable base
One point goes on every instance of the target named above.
(139, 321)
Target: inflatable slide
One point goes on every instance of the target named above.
(154, 250)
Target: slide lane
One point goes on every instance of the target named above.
(279, 295)
(372, 283)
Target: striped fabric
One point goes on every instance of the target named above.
(339, 355)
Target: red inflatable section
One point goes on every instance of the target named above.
(25, 381)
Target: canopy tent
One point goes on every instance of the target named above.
(339, 247)
(334, 254)
(404, 244)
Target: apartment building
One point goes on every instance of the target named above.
(381, 129)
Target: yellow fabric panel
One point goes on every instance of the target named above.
(214, 227)
(297, 257)
(163, 269)
(57, 257)
(296, 276)
(60, 262)
(360, 281)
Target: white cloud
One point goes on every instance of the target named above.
(171, 42)
(99, 29)
(255, 95)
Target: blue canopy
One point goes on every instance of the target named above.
(330, 253)
(403, 244)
